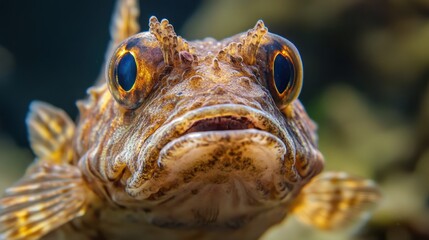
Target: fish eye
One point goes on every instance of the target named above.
(132, 70)
(284, 73)
(128, 78)
(126, 72)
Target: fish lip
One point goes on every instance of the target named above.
(147, 162)
(183, 124)
(222, 123)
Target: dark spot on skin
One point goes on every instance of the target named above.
(188, 176)
(226, 164)
(131, 43)
(147, 210)
(194, 191)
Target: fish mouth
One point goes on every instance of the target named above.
(224, 123)
(221, 119)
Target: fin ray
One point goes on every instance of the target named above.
(48, 196)
(124, 24)
(50, 132)
(333, 200)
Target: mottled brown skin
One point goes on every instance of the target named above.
(111, 134)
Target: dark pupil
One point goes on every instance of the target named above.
(127, 71)
(283, 73)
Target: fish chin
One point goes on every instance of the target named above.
(217, 177)
(214, 156)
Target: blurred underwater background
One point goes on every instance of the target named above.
(366, 84)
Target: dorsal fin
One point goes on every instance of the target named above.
(124, 24)
(50, 132)
(124, 21)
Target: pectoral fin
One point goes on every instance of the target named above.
(48, 196)
(334, 200)
(50, 132)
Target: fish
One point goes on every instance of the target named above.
(181, 139)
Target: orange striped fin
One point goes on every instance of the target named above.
(50, 132)
(125, 20)
(334, 200)
(124, 24)
(48, 196)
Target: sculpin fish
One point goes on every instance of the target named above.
(181, 140)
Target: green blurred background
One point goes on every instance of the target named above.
(366, 84)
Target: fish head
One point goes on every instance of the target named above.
(199, 133)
